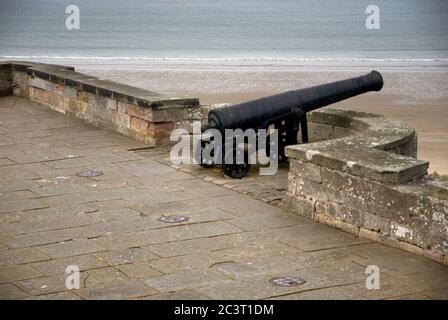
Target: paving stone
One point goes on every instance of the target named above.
(109, 204)
(48, 284)
(70, 248)
(403, 263)
(63, 211)
(259, 287)
(6, 161)
(110, 184)
(266, 265)
(138, 270)
(19, 272)
(124, 290)
(46, 237)
(179, 248)
(270, 221)
(145, 168)
(310, 237)
(9, 291)
(58, 266)
(111, 215)
(184, 280)
(178, 295)
(16, 195)
(184, 232)
(436, 294)
(89, 196)
(50, 223)
(214, 259)
(58, 189)
(71, 219)
(147, 221)
(389, 288)
(332, 293)
(23, 204)
(22, 255)
(68, 163)
(65, 295)
(107, 275)
(124, 256)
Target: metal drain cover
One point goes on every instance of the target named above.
(172, 219)
(287, 281)
(90, 173)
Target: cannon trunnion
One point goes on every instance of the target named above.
(285, 112)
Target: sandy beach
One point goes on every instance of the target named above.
(418, 96)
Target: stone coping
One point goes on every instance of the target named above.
(66, 75)
(364, 152)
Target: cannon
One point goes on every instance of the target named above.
(286, 112)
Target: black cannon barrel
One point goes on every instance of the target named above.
(255, 113)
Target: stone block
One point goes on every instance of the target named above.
(319, 132)
(108, 103)
(300, 206)
(368, 234)
(70, 92)
(140, 112)
(411, 248)
(39, 95)
(122, 122)
(436, 256)
(341, 132)
(130, 289)
(306, 170)
(40, 84)
(375, 223)
(92, 99)
(138, 125)
(345, 214)
(160, 131)
(122, 107)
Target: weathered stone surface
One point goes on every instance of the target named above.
(58, 266)
(70, 248)
(125, 256)
(299, 206)
(356, 158)
(103, 103)
(360, 188)
(117, 291)
(206, 258)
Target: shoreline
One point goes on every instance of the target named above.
(416, 95)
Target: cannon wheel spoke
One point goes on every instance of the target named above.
(210, 163)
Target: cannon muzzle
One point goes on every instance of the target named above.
(259, 113)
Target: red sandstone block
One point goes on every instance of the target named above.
(138, 124)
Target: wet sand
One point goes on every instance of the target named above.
(418, 96)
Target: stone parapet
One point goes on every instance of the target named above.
(144, 115)
(361, 175)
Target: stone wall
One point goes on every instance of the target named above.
(144, 115)
(361, 175)
(6, 87)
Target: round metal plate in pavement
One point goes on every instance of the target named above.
(90, 173)
(172, 219)
(287, 281)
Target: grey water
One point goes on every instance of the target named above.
(226, 30)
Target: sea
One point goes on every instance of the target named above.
(296, 32)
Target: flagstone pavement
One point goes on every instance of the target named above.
(230, 247)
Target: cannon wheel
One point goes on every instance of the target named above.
(205, 164)
(237, 171)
